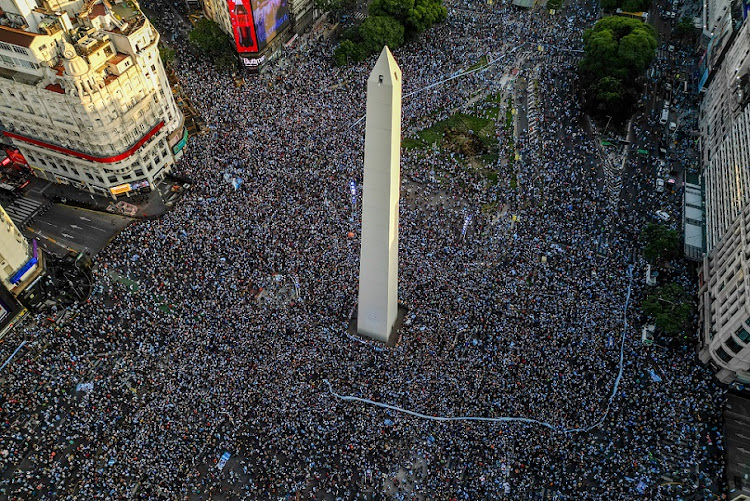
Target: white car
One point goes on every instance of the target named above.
(663, 216)
(659, 185)
(647, 335)
(672, 126)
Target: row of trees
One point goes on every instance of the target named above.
(391, 23)
(617, 51)
(670, 306)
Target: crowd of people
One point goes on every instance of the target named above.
(517, 314)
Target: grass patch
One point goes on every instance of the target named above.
(446, 131)
(513, 181)
(410, 144)
(482, 62)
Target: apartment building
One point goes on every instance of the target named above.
(725, 133)
(84, 95)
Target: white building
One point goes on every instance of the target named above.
(725, 138)
(724, 133)
(84, 95)
(21, 262)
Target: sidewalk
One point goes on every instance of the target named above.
(149, 205)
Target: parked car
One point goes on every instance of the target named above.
(659, 185)
(663, 216)
(647, 335)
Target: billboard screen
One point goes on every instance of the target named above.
(270, 17)
(241, 16)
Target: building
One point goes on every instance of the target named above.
(724, 276)
(736, 423)
(724, 121)
(259, 28)
(84, 95)
(692, 218)
(21, 269)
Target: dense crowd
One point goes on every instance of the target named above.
(522, 315)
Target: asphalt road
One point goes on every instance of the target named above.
(64, 228)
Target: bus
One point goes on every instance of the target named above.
(643, 16)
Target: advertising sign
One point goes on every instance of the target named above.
(118, 190)
(241, 17)
(270, 17)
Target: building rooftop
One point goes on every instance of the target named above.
(17, 37)
(55, 88)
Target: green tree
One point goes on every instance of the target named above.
(660, 243)
(348, 52)
(378, 31)
(167, 55)
(617, 50)
(424, 14)
(415, 15)
(554, 5)
(684, 28)
(214, 43)
(670, 307)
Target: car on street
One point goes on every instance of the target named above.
(672, 126)
(663, 216)
(659, 185)
(647, 335)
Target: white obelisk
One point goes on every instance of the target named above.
(378, 266)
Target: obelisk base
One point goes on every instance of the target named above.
(393, 338)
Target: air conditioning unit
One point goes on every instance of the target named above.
(87, 44)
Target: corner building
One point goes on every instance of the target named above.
(724, 296)
(84, 95)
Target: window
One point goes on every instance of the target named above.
(743, 334)
(726, 357)
(112, 179)
(733, 345)
(20, 50)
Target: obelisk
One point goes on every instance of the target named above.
(378, 266)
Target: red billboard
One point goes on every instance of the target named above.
(241, 15)
(257, 22)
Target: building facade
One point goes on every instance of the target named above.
(84, 95)
(259, 28)
(724, 287)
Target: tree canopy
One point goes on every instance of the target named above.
(214, 43)
(379, 31)
(670, 307)
(415, 15)
(390, 22)
(617, 50)
(660, 243)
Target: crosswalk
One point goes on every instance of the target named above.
(22, 210)
(532, 112)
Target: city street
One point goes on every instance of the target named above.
(64, 227)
